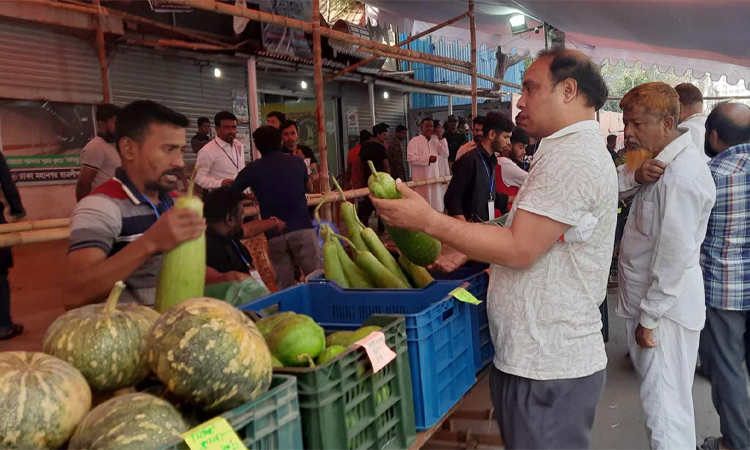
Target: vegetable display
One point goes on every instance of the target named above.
(418, 247)
(183, 269)
(105, 342)
(43, 398)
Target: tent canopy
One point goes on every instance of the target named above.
(706, 36)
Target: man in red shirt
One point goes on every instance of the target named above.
(353, 175)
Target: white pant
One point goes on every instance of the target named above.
(666, 374)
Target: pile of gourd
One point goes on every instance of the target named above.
(208, 355)
(372, 265)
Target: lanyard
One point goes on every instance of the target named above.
(156, 210)
(490, 178)
(240, 253)
(235, 164)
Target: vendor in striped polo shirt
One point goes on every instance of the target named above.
(119, 231)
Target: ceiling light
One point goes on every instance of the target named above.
(217, 72)
(385, 95)
(518, 23)
(303, 83)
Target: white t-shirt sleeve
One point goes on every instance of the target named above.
(93, 156)
(513, 175)
(203, 166)
(559, 187)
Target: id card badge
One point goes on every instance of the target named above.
(491, 207)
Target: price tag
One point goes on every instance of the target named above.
(216, 434)
(378, 352)
(465, 296)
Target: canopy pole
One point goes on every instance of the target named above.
(371, 92)
(359, 64)
(450, 105)
(102, 51)
(320, 113)
(252, 99)
(473, 30)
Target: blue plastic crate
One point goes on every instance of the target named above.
(475, 274)
(438, 329)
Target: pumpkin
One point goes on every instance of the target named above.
(210, 354)
(43, 398)
(132, 421)
(107, 343)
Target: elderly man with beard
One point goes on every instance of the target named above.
(120, 230)
(543, 299)
(661, 283)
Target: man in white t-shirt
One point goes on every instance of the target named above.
(99, 158)
(692, 116)
(544, 295)
(222, 158)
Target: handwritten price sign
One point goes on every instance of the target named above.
(377, 350)
(216, 434)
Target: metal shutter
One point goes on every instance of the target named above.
(40, 64)
(185, 85)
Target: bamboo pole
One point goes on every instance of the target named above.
(102, 53)
(58, 229)
(173, 43)
(380, 54)
(320, 112)
(259, 16)
(473, 31)
(359, 64)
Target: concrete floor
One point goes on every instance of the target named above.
(619, 420)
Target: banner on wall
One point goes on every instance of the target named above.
(42, 141)
(240, 107)
(282, 40)
(352, 125)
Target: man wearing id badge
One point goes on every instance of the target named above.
(544, 294)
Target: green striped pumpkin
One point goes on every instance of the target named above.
(210, 354)
(132, 421)
(107, 343)
(42, 399)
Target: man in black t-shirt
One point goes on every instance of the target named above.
(374, 151)
(454, 136)
(227, 259)
(290, 136)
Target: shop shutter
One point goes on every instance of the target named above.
(185, 85)
(390, 110)
(41, 64)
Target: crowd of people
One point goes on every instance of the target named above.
(683, 252)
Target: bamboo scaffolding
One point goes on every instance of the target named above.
(102, 53)
(473, 31)
(259, 16)
(320, 112)
(359, 64)
(36, 231)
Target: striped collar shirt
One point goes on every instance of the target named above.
(725, 254)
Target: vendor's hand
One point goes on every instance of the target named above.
(280, 224)
(650, 171)
(173, 228)
(449, 260)
(411, 212)
(235, 276)
(227, 183)
(433, 158)
(644, 337)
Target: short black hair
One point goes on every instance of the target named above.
(478, 120)
(425, 120)
(107, 111)
(202, 120)
(218, 203)
(223, 115)
(728, 129)
(612, 139)
(570, 64)
(689, 94)
(136, 117)
(380, 128)
(288, 123)
(400, 128)
(277, 114)
(519, 136)
(498, 122)
(364, 136)
(267, 139)
(436, 123)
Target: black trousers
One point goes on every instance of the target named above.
(365, 208)
(553, 414)
(724, 350)
(4, 300)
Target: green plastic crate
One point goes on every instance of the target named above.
(270, 422)
(342, 402)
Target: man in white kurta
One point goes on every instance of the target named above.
(661, 284)
(439, 148)
(692, 117)
(422, 158)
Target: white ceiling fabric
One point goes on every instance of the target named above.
(706, 36)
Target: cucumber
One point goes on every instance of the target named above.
(354, 275)
(420, 248)
(349, 213)
(384, 256)
(378, 273)
(333, 269)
